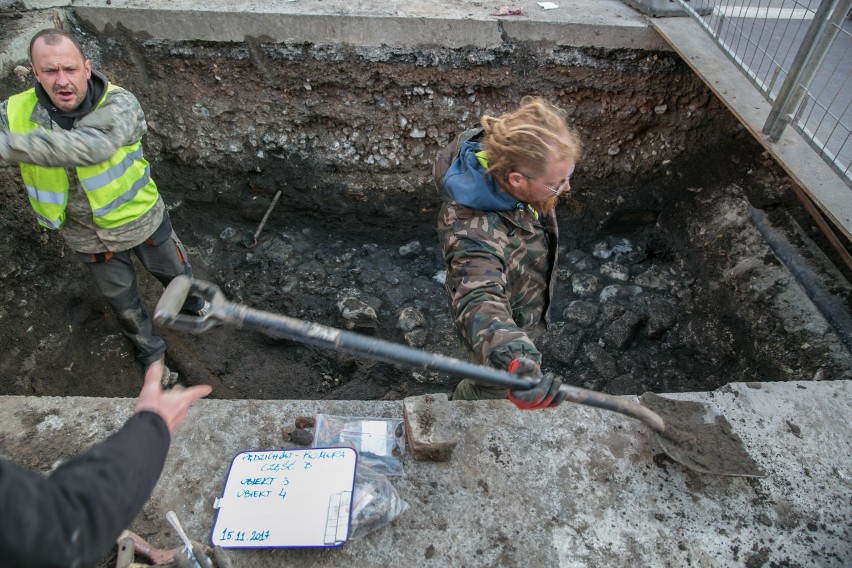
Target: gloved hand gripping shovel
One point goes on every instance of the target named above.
(691, 433)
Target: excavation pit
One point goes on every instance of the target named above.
(664, 282)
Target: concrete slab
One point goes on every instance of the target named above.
(571, 487)
(443, 23)
(15, 41)
(44, 4)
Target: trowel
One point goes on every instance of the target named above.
(691, 433)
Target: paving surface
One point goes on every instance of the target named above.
(571, 487)
(448, 23)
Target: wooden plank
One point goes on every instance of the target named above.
(821, 189)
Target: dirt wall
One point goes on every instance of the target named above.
(362, 124)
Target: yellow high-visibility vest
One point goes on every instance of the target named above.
(119, 190)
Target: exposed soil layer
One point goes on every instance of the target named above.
(664, 284)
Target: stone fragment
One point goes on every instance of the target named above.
(621, 245)
(581, 312)
(619, 292)
(410, 250)
(562, 345)
(585, 285)
(615, 271)
(228, 234)
(417, 337)
(580, 260)
(602, 361)
(356, 314)
(279, 252)
(655, 278)
(429, 430)
(301, 437)
(611, 312)
(660, 314)
(601, 250)
(621, 331)
(410, 318)
(303, 422)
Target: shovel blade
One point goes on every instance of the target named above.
(700, 438)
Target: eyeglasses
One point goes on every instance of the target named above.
(556, 191)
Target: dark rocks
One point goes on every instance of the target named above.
(301, 437)
(585, 285)
(581, 312)
(619, 292)
(357, 314)
(601, 360)
(410, 250)
(620, 332)
(410, 318)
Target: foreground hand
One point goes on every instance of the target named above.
(172, 404)
(545, 394)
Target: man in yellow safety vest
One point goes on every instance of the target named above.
(77, 140)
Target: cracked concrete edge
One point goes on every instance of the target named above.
(606, 24)
(590, 481)
(45, 4)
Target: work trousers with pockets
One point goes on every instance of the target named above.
(471, 390)
(164, 256)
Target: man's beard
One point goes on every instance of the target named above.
(547, 205)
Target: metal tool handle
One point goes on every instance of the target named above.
(195, 557)
(223, 311)
(173, 520)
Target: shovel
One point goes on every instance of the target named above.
(691, 433)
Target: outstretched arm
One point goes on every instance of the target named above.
(96, 137)
(73, 516)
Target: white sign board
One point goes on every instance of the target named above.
(287, 498)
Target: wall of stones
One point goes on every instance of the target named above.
(363, 124)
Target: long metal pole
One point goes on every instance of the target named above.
(168, 314)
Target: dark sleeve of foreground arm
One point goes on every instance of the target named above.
(73, 516)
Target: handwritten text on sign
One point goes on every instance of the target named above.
(287, 498)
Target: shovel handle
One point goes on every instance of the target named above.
(168, 308)
(274, 325)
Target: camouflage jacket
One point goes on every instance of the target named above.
(500, 257)
(93, 138)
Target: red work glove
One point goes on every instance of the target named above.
(545, 394)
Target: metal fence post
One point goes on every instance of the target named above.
(815, 45)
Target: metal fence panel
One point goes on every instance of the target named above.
(798, 53)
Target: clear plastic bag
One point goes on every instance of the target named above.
(375, 502)
(380, 442)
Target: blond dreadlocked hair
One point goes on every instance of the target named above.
(527, 139)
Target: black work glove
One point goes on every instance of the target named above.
(545, 394)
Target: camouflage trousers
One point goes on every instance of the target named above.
(164, 256)
(468, 389)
